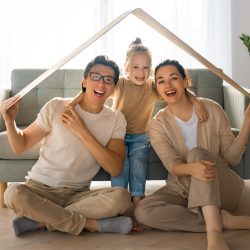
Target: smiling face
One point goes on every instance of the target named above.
(170, 84)
(138, 68)
(97, 89)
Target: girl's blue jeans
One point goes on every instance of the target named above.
(135, 168)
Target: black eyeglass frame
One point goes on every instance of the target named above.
(106, 79)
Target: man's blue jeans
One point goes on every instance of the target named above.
(135, 168)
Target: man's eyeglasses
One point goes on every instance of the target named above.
(97, 77)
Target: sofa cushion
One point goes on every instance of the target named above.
(7, 153)
(63, 83)
(206, 84)
(4, 94)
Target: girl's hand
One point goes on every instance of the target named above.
(204, 170)
(200, 110)
(10, 110)
(76, 100)
(199, 107)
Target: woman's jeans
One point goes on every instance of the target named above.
(135, 168)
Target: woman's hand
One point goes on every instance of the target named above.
(203, 170)
(10, 110)
(242, 137)
(247, 115)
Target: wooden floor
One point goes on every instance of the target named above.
(147, 240)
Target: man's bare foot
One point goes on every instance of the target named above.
(215, 241)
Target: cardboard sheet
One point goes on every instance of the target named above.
(149, 20)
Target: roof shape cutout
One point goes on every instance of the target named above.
(149, 20)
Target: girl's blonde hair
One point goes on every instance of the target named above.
(137, 47)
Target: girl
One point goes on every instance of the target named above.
(135, 96)
(201, 189)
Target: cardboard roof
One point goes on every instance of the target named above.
(149, 20)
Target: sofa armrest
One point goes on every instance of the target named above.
(235, 104)
(4, 94)
(246, 161)
(242, 169)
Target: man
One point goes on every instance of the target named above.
(77, 141)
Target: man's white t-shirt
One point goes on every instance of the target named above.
(64, 161)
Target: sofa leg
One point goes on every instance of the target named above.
(3, 186)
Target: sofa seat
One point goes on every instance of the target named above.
(6, 152)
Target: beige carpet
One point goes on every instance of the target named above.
(148, 240)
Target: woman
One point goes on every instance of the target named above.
(196, 197)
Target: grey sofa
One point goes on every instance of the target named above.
(67, 83)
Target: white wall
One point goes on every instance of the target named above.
(240, 57)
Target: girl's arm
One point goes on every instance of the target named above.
(76, 100)
(199, 108)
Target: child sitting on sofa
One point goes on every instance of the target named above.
(135, 95)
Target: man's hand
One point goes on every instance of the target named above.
(9, 110)
(72, 121)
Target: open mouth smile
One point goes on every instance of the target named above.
(170, 93)
(99, 93)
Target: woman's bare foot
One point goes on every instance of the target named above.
(230, 221)
(215, 241)
(92, 225)
(136, 199)
(136, 226)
